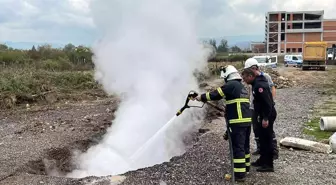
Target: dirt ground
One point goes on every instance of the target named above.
(36, 140)
(309, 79)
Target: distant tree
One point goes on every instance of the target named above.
(69, 48)
(83, 55)
(45, 51)
(3, 47)
(33, 54)
(223, 46)
(213, 43)
(236, 49)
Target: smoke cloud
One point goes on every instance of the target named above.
(147, 55)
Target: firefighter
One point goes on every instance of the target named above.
(238, 118)
(266, 115)
(254, 65)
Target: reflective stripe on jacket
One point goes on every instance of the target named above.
(237, 102)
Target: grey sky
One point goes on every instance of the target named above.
(72, 20)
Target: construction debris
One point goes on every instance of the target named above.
(328, 123)
(305, 145)
(281, 82)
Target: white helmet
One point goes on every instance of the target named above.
(231, 73)
(251, 62)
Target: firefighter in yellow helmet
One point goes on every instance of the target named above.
(238, 117)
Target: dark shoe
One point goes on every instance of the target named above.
(257, 152)
(240, 179)
(265, 168)
(257, 163)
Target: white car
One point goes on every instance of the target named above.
(267, 61)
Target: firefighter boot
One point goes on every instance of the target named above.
(240, 179)
(257, 163)
(267, 166)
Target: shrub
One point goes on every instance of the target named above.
(56, 65)
(236, 58)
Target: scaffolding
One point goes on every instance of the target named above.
(273, 47)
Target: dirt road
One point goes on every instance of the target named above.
(29, 138)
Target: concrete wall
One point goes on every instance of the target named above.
(329, 25)
(329, 32)
(312, 37)
(294, 37)
(294, 45)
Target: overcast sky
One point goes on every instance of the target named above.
(63, 21)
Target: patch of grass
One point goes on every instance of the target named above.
(313, 128)
(325, 108)
(29, 81)
(29, 85)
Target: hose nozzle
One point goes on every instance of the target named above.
(191, 95)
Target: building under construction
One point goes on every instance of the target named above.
(285, 32)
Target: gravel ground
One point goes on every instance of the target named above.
(207, 161)
(23, 144)
(27, 137)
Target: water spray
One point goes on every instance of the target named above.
(191, 96)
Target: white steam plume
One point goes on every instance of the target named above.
(148, 53)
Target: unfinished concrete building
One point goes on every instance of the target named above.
(285, 32)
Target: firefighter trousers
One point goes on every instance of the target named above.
(255, 123)
(266, 140)
(240, 137)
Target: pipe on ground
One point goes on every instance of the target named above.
(328, 123)
(332, 143)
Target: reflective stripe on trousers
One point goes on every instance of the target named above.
(247, 162)
(239, 166)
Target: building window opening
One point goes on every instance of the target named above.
(283, 15)
(273, 17)
(283, 26)
(297, 26)
(282, 36)
(288, 50)
(313, 25)
(294, 50)
(297, 17)
(312, 16)
(300, 50)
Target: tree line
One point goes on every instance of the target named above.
(223, 46)
(69, 55)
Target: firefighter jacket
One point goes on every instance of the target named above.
(237, 102)
(263, 100)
